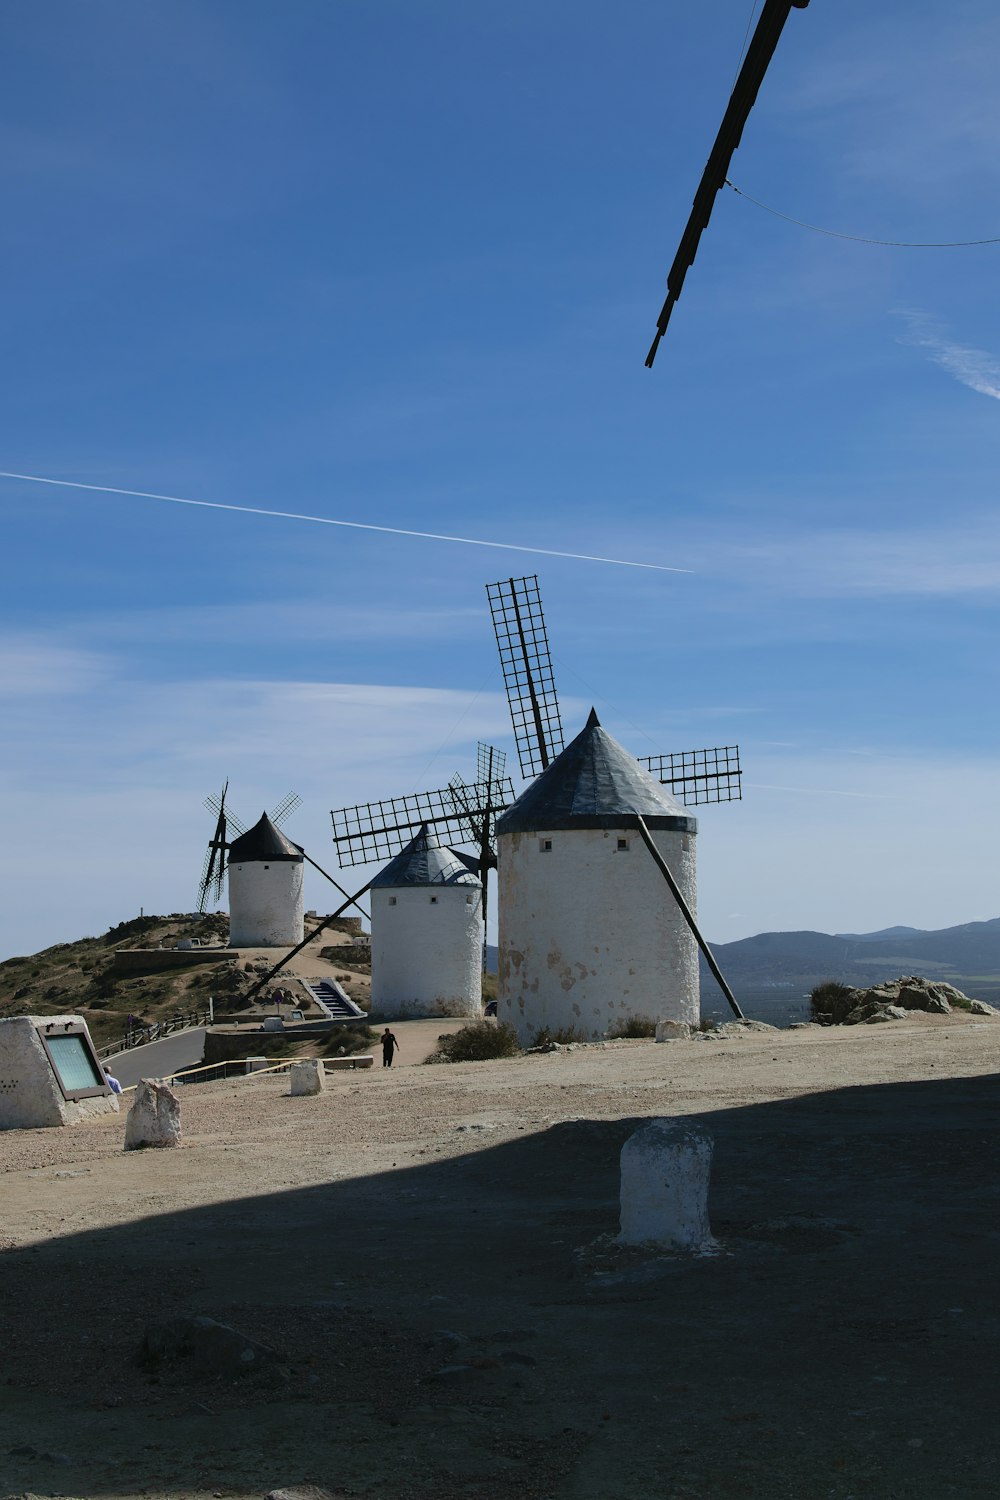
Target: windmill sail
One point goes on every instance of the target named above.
(696, 776)
(519, 625)
(379, 830)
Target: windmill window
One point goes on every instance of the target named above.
(545, 845)
(267, 867)
(434, 901)
(623, 843)
(468, 900)
(392, 900)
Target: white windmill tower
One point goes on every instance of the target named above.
(589, 933)
(266, 906)
(429, 902)
(427, 933)
(596, 860)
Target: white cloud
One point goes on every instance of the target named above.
(975, 368)
(103, 790)
(33, 667)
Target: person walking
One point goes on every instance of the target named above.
(389, 1046)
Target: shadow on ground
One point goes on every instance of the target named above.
(464, 1328)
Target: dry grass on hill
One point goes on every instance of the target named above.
(81, 977)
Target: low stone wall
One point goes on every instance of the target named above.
(157, 960)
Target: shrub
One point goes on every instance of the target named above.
(831, 1001)
(634, 1026)
(479, 1042)
(343, 1041)
(563, 1036)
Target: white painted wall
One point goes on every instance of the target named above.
(29, 1094)
(590, 934)
(427, 951)
(266, 904)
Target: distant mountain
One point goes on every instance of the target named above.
(885, 932)
(968, 956)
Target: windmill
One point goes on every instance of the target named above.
(693, 776)
(464, 811)
(214, 869)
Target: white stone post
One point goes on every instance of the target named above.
(665, 1172)
(307, 1077)
(155, 1116)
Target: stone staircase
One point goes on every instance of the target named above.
(333, 1000)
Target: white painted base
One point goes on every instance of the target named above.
(266, 905)
(427, 947)
(590, 935)
(665, 1174)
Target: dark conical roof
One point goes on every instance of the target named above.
(263, 842)
(425, 862)
(594, 783)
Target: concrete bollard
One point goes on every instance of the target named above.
(665, 1171)
(308, 1077)
(155, 1116)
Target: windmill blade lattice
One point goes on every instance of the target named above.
(218, 806)
(214, 869)
(519, 625)
(378, 830)
(696, 776)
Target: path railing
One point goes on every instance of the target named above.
(237, 1067)
(138, 1036)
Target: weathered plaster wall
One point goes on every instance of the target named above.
(266, 904)
(30, 1097)
(590, 934)
(427, 951)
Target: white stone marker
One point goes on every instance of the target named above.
(155, 1116)
(665, 1171)
(672, 1031)
(307, 1077)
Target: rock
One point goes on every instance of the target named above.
(308, 1077)
(665, 1171)
(885, 1013)
(214, 1348)
(154, 1118)
(672, 1031)
(980, 1008)
(920, 995)
(303, 1492)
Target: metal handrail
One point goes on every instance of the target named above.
(184, 1075)
(141, 1036)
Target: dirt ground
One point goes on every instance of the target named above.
(430, 1252)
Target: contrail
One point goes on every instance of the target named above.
(288, 515)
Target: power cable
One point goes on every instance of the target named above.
(860, 239)
(746, 37)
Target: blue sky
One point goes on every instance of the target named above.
(400, 263)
